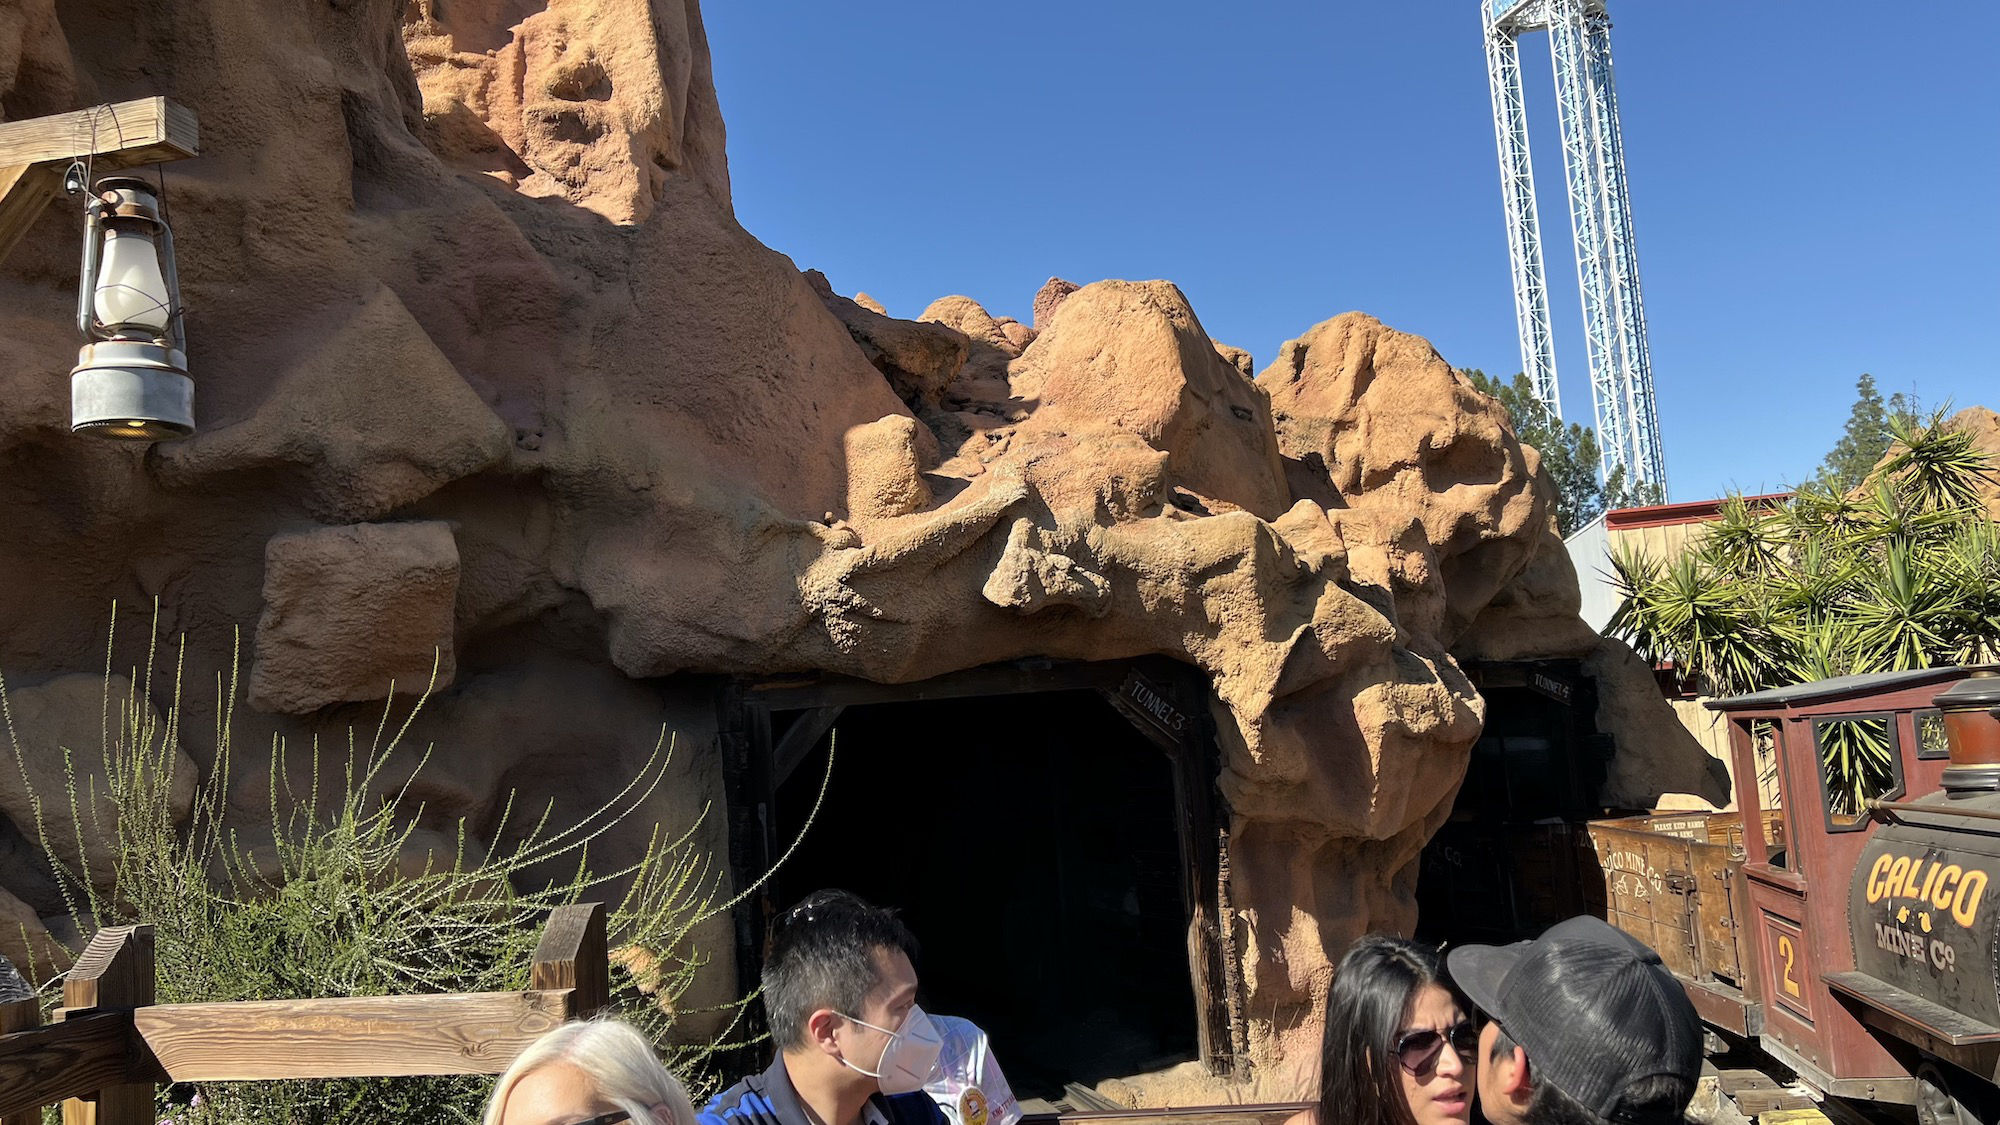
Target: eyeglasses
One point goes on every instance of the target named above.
(1417, 1051)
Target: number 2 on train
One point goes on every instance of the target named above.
(1790, 956)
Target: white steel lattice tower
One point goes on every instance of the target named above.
(1607, 260)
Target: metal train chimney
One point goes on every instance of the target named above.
(1971, 709)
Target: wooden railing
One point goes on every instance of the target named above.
(111, 1045)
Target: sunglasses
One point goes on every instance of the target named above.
(613, 1118)
(1417, 1051)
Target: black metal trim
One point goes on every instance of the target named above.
(1917, 717)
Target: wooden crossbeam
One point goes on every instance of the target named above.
(34, 152)
(373, 1036)
(43, 1066)
(121, 135)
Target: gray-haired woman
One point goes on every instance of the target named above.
(597, 1072)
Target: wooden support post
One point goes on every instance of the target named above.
(42, 1066)
(1232, 969)
(115, 973)
(21, 1015)
(573, 954)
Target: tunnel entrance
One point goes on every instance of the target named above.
(1031, 847)
(1047, 830)
(1515, 857)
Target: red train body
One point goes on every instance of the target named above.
(1853, 931)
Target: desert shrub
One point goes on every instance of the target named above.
(334, 903)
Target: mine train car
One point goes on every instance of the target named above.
(1852, 930)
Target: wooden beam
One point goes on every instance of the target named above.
(35, 152)
(1001, 679)
(122, 135)
(19, 1015)
(25, 191)
(573, 954)
(805, 733)
(47, 1064)
(359, 1037)
(115, 973)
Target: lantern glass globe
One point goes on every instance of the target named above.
(131, 291)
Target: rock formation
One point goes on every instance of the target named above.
(1984, 426)
(484, 362)
(349, 609)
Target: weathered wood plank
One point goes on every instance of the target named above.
(1232, 979)
(44, 1065)
(20, 1015)
(121, 135)
(1736, 1081)
(1211, 1040)
(25, 192)
(373, 1036)
(1757, 1103)
(1004, 679)
(115, 972)
(573, 954)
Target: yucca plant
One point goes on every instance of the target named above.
(1901, 573)
(1814, 585)
(1855, 759)
(1815, 512)
(1902, 607)
(1969, 563)
(1934, 466)
(1742, 541)
(1679, 611)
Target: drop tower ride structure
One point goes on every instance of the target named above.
(1607, 258)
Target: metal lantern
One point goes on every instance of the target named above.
(130, 380)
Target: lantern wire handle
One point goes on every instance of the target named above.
(87, 163)
(175, 310)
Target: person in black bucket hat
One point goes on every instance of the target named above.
(1585, 1026)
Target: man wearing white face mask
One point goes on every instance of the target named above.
(840, 993)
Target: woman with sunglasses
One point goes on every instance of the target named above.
(597, 1072)
(1398, 1048)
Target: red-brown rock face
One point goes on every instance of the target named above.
(472, 324)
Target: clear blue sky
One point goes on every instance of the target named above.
(1816, 187)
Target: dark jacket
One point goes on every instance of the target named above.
(769, 1099)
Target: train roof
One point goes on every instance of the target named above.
(1840, 687)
